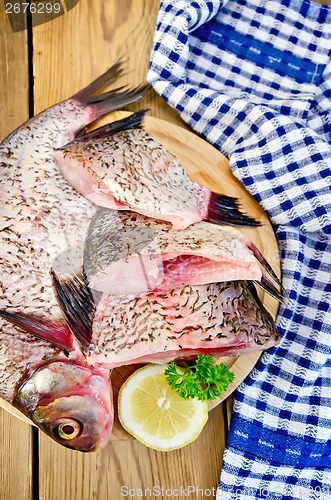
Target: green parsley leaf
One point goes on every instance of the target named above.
(203, 380)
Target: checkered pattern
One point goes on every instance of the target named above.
(253, 78)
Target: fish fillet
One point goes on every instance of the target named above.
(128, 253)
(222, 318)
(122, 166)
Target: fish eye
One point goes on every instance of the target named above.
(67, 428)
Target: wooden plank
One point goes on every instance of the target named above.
(68, 53)
(72, 50)
(13, 76)
(129, 465)
(15, 436)
(15, 458)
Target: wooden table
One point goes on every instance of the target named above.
(39, 66)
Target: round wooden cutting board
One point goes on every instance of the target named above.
(209, 167)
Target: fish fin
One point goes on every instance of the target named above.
(112, 100)
(77, 303)
(102, 81)
(135, 120)
(252, 289)
(269, 287)
(224, 209)
(55, 333)
(258, 255)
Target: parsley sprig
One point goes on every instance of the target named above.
(204, 380)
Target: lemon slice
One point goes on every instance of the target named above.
(150, 410)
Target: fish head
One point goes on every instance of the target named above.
(71, 403)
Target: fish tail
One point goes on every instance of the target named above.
(113, 99)
(102, 81)
(265, 264)
(269, 287)
(224, 209)
(252, 289)
(134, 120)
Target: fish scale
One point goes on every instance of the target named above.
(33, 143)
(158, 327)
(18, 355)
(131, 167)
(50, 207)
(122, 166)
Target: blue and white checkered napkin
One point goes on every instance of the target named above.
(253, 77)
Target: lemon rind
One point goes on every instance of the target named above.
(203, 417)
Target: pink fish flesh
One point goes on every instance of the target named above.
(128, 253)
(123, 167)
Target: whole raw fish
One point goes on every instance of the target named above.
(42, 217)
(122, 166)
(129, 253)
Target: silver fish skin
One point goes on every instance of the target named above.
(42, 218)
(128, 253)
(219, 318)
(122, 166)
(19, 353)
